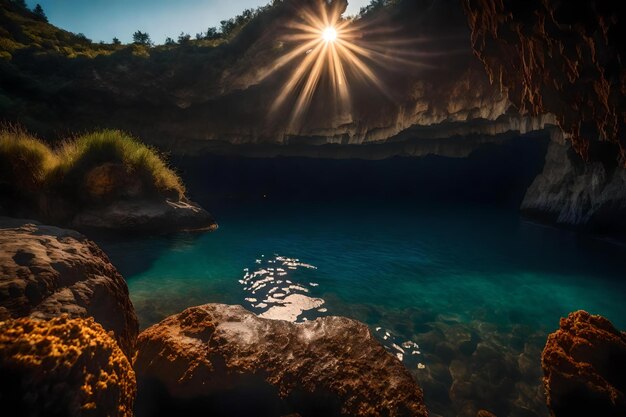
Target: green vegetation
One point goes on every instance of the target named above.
(25, 161)
(142, 38)
(28, 166)
(41, 15)
(374, 6)
(229, 28)
(79, 156)
(25, 30)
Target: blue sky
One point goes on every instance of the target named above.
(101, 20)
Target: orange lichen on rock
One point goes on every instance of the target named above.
(46, 271)
(63, 366)
(584, 364)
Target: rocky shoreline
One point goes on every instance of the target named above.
(65, 310)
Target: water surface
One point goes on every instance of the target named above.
(464, 294)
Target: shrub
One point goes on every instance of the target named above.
(78, 157)
(142, 38)
(25, 161)
(39, 13)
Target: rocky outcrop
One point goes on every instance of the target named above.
(584, 364)
(573, 193)
(447, 139)
(558, 57)
(223, 360)
(46, 271)
(146, 216)
(63, 367)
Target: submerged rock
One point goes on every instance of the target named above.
(146, 216)
(574, 193)
(63, 367)
(223, 360)
(46, 271)
(584, 364)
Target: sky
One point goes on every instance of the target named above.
(101, 20)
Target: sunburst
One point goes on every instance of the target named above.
(325, 43)
(332, 48)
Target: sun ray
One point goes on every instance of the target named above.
(340, 82)
(335, 55)
(309, 87)
(297, 75)
(362, 68)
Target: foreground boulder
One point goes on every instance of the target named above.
(584, 364)
(46, 271)
(63, 367)
(223, 360)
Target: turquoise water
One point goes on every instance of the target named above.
(472, 291)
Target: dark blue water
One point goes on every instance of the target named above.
(431, 253)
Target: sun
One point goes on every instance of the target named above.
(331, 54)
(329, 34)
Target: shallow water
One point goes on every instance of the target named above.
(467, 293)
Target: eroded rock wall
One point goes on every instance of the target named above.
(559, 57)
(574, 193)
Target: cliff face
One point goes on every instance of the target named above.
(419, 56)
(573, 193)
(559, 57)
(547, 57)
(584, 364)
(213, 358)
(564, 58)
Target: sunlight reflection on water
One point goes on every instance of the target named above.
(279, 288)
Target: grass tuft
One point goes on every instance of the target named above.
(28, 166)
(25, 161)
(78, 156)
